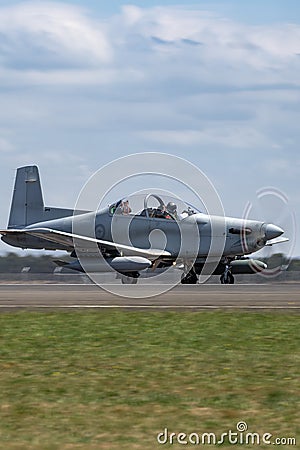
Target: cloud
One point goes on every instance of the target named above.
(51, 43)
(194, 72)
(78, 91)
(218, 39)
(46, 36)
(242, 137)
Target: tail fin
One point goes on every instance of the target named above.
(27, 204)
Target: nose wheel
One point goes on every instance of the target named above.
(227, 277)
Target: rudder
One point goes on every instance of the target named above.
(27, 204)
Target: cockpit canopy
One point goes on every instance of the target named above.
(153, 206)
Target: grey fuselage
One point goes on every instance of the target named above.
(194, 234)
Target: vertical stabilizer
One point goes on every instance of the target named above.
(27, 204)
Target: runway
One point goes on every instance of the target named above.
(281, 297)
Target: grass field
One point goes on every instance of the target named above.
(115, 379)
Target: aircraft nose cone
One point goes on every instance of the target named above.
(272, 231)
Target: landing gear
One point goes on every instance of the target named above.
(227, 277)
(128, 280)
(189, 278)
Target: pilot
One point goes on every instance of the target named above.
(172, 209)
(161, 213)
(126, 208)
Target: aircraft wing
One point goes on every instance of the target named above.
(67, 239)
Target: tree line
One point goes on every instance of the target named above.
(15, 263)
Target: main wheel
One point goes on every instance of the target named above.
(128, 280)
(189, 278)
(183, 279)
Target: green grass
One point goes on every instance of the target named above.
(115, 379)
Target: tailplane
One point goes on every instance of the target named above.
(27, 206)
(27, 203)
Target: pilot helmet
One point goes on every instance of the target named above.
(171, 207)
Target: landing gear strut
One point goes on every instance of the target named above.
(227, 277)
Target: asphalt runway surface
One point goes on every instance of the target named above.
(281, 297)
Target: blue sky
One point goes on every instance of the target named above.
(254, 12)
(216, 82)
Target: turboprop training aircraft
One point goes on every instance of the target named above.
(32, 225)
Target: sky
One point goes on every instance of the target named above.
(215, 82)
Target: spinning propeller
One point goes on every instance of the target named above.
(272, 207)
